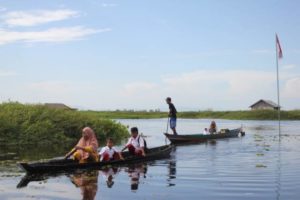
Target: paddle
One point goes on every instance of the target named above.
(70, 154)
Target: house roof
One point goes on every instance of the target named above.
(271, 103)
(58, 105)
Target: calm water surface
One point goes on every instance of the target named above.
(256, 166)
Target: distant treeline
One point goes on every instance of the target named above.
(234, 115)
(38, 124)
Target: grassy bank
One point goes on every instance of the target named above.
(234, 115)
(37, 124)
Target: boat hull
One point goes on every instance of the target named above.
(66, 165)
(198, 138)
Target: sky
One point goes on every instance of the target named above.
(132, 54)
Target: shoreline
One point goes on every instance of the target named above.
(230, 115)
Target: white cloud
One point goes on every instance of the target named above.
(235, 81)
(291, 88)
(288, 67)
(201, 89)
(5, 73)
(51, 87)
(50, 35)
(109, 5)
(2, 9)
(138, 88)
(33, 18)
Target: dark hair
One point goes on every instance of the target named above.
(168, 99)
(134, 129)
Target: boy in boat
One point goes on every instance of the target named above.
(172, 115)
(109, 152)
(205, 131)
(213, 127)
(135, 144)
(86, 148)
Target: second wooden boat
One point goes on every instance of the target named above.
(196, 138)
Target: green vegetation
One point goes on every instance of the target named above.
(234, 115)
(37, 124)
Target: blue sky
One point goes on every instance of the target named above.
(131, 54)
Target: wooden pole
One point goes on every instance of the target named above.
(278, 97)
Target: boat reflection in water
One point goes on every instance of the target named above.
(87, 182)
(109, 174)
(135, 172)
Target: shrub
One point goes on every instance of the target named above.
(37, 124)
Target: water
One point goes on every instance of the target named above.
(256, 166)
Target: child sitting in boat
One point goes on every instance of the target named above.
(213, 127)
(205, 131)
(109, 152)
(135, 144)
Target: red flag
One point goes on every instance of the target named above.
(279, 50)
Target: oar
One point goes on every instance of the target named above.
(70, 154)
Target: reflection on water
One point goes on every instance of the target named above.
(134, 173)
(87, 182)
(256, 166)
(109, 174)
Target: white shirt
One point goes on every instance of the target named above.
(109, 151)
(205, 132)
(137, 142)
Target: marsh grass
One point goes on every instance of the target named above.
(39, 125)
(233, 115)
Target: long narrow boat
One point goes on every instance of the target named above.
(197, 138)
(57, 165)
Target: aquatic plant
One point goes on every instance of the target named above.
(38, 124)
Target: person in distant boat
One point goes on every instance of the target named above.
(205, 131)
(109, 152)
(86, 148)
(172, 115)
(135, 144)
(212, 127)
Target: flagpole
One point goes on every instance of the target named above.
(278, 99)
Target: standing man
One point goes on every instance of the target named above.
(172, 115)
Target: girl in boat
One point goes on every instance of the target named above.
(110, 152)
(213, 127)
(135, 144)
(86, 148)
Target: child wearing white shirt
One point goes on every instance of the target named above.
(135, 143)
(109, 152)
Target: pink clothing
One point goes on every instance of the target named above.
(90, 142)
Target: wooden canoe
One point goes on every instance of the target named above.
(57, 165)
(197, 138)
